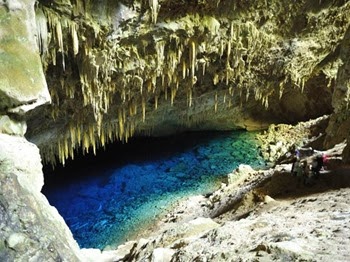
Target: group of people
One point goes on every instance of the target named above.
(307, 165)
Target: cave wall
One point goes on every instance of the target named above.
(118, 69)
(30, 229)
(339, 126)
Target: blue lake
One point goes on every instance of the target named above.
(107, 198)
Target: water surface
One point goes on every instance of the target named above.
(107, 198)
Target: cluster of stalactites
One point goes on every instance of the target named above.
(116, 80)
(104, 79)
(82, 136)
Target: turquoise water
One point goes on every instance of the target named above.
(107, 198)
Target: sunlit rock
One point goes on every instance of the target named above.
(22, 85)
(11, 127)
(31, 228)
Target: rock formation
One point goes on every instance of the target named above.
(75, 75)
(158, 67)
(30, 229)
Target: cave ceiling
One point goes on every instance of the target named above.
(116, 69)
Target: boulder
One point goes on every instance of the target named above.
(31, 229)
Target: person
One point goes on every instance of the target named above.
(308, 174)
(295, 165)
(317, 165)
(305, 151)
(325, 160)
(301, 172)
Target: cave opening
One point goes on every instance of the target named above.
(112, 197)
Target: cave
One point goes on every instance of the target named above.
(83, 81)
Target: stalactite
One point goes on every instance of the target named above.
(75, 40)
(120, 124)
(109, 133)
(228, 67)
(156, 102)
(189, 97)
(71, 152)
(192, 59)
(103, 138)
(216, 79)
(216, 102)
(203, 68)
(173, 94)
(183, 69)
(163, 80)
(153, 4)
(154, 84)
(60, 41)
(302, 84)
(42, 30)
(86, 142)
(143, 109)
(160, 45)
(281, 88)
(230, 91)
(72, 133)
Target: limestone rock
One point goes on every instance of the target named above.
(32, 230)
(308, 224)
(121, 254)
(240, 173)
(162, 255)
(22, 85)
(10, 127)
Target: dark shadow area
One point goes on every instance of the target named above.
(138, 149)
(284, 185)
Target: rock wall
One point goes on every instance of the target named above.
(338, 129)
(30, 229)
(159, 67)
(22, 81)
